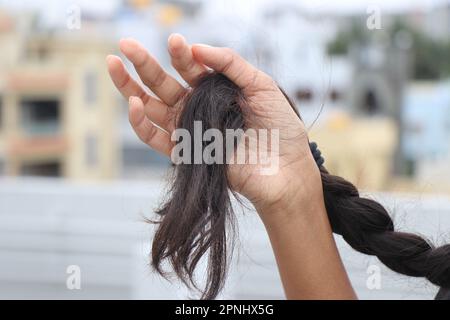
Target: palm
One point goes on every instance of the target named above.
(266, 99)
(276, 113)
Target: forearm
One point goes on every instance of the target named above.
(308, 260)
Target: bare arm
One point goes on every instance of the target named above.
(308, 260)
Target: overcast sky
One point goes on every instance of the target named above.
(54, 12)
(245, 7)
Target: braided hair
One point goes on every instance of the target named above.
(196, 218)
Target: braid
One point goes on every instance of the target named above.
(367, 227)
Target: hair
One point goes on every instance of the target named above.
(197, 219)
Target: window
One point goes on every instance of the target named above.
(37, 50)
(335, 95)
(409, 167)
(90, 87)
(40, 117)
(370, 105)
(91, 146)
(42, 52)
(43, 169)
(141, 156)
(304, 95)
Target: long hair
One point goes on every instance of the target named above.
(197, 218)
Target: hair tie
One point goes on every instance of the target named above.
(316, 154)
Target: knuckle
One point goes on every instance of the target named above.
(141, 59)
(157, 78)
(228, 51)
(144, 97)
(150, 135)
(267, 81)
(229, 56)
(124, 81)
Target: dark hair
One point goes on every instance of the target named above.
(198, 216)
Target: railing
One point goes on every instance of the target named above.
(47, 128)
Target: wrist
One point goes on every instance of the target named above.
(299, 197)
(295, 209)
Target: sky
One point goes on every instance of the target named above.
(247, 7)
(53, 13)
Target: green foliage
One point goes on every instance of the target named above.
(431, 57)
(353, 34)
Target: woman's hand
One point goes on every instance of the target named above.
(297, 176)
(290, 202)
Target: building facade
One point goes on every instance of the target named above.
(58, 108)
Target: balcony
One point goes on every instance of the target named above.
(40, 117)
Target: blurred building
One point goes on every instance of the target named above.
(434, 21)
(381, 70)
(427, 127)
(292, 47)
(352, 102)
(359, 149)
(58, 109)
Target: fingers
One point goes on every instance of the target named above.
(163, 85)
(122, 79)
(183, 60)
(155, 110)
(146, 130)
(226, 61)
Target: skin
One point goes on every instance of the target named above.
(292, 210)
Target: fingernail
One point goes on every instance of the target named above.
(127, 40)
(112, 57)
(176, 35)
(172, 45)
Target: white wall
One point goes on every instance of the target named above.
(46, 225)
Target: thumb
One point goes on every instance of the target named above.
(228, 62)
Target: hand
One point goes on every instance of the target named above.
(298, 176)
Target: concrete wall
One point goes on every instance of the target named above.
(47, 225)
